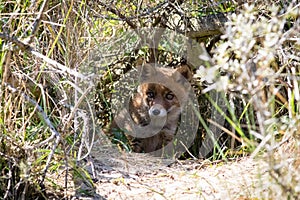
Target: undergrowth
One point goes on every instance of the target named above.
(259, 55)
(56, 88)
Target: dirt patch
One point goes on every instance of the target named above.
(140, 176)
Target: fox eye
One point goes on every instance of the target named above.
(150, 94)
(169, 96)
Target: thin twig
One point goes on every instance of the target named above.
(25, 47)
(225, 130)
(187, 150)
(38, 19)
(17, 42)
(146, 13)
(118, 13)
(37, 22)
(72, 115)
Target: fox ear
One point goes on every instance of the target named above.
(146, 71)
(185, 71)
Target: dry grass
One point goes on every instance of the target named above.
(48, 124)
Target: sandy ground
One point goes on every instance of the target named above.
(119, 175)
(140, 176)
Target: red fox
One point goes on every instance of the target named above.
(156, 107)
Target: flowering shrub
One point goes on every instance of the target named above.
(259, 55)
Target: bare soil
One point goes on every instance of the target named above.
(141, 176)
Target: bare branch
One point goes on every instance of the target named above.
(118, 13)
(38, 19)
(25, 47)
(17, 42)
(193, 27)
(144, 13)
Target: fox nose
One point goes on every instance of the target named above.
(156, 112)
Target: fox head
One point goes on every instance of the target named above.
(159, 88)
